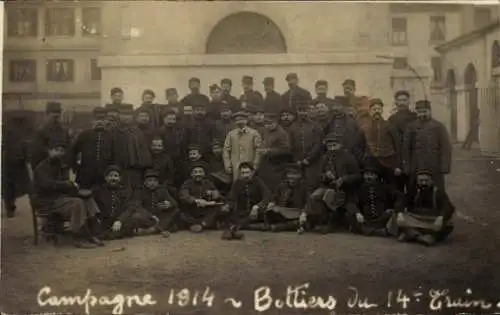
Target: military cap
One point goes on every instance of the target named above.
(216, 142)
(246, 165)
(226, 81)
(423, 104)
(286, 109)
(194, 80)
(170, 91)
(126, 108)
(148, 92)
(116, 90)
(350, 82)
(333, 137)
(99, 112)
(293, 167)
(424, 171)
(255, 109)
(112, 168)
(402, 92)
(57, 143)
(240, 114)
(247, 79)
(167, 111)
(270, 117)
(198, 105)
(214, 87)
(321, 83)
(194, 147)
(371, 165)
(268, 81)
(291, 76)
(376, 101)
(53, 107)
(198, 164)
(112, 108)
(151, 173)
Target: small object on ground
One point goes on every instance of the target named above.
(165, 234)
(196, 228)
(300, 230)
(227, 235)
(118, 249)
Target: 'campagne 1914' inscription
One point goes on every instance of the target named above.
(268, 300)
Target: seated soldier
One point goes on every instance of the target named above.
(159, 211)
(220, 178)
(373, 211)
(290, 199)
(55, 193)
(339, 172)
(200, 200)
(246, 203)
(428, 219)
(163, 164)
(116, 204)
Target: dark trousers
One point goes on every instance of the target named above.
(204, 216)
(132, 178)
(279, 222)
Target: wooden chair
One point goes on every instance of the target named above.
(49, 226)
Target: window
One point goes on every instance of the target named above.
(482, 17)
(60, 70)
(437, 69)
(495, 55)
(22, 70)
(22, 22)
(438, 29)
(91, 21)
(95, 71)
(399, 33)
(400, 63)
(60, 22)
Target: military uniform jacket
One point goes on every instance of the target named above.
(292, 98)
(278, 143)
(251, 98)
(352, 136)
(272, 102)
(94, 146)
(383, 140)
(232, 102)
(130, 148)
(51, 181)
(374, 198)
(222, 128)
(154, 111)
(115, 203)
(427, 146)
(246, 194)
(196, 99)
(49, 132)
(174, 141)
(259, 127)
(291, 196)
(163, 164)
(400, 121)
(342, 164)
(151, 198)
(201, 132)
(192, 190)
(305, 140)
(327, 100)
(432, 202)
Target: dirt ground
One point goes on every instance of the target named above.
(332, 264)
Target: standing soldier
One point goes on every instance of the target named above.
(250, 97)
(173, 101)
(305, 137)
(275, 153)
(426, 147)
(400, 121)
(201, 130)
(295, 94)
(175, 143)
(91, 152)
(272, 100)
(233, 102)
(148, 97)
(224, 124)
(322, 115)
(361, 103)
(241, 145)
(217, 102)
(195, 97)
(144, 123)
(286, 119)
(383, 144)
(53, 130)
(116, 95)
(321, 87)
(257, 119)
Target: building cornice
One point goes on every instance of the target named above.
(468, 37)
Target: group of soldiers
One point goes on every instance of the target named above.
(262, 162)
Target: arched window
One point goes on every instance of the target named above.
(245, 33)
(495, 55)
(470, 79)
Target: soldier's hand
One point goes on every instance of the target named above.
(397, 171)
(254, 213)
(303, 218)
(339, 182)
(225, 208)
(439, 222)
(156, 219)
(360, 217)
(270, 206)
(117, 225)
(305, 162)
(329, 175)
(400, 217)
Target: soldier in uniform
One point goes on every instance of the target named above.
(116, 95)
(195, 97)
(217, 103)
(53, 130)
(400, 121)
(427, 147)
(376, 205)
(295, 94)
(287, 117)
(173, 102)
(321, 87)
(250, 97)
(305, 142)
(112, 116)
(175, 143)
(144, 123)
(323, 116)
(201, 131)
(241, 145)
(429, 216)
(272, 100)
(233, 102)
(16, 174)
(289, 201)
(361, 103)
(91, 152)
(353, 138)
(275, 152)
(257, 119)
(163, 164)
(383, 144)
(224, 124)
(148, 97)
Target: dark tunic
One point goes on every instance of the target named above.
(195, 99)
(151, 198)
(222, 128)
(432, 202)
(246, 194)
(174, 141)
(273, 162)
(115, 203)
(291, 196)
(272, 102)
(130, 147)
(214, 109)
(401, 119)
(192, 190)
(148, 131)
(323, 122)
(373, 199)
(233, 102)
(324, 99)
(201, 132)
(163, 164)
(94, 146)
(296, 96)
(48, 133)
(251, 98)
(154, 111)
(261, 128)
(352, 136)
(343, 165)
(383, 143)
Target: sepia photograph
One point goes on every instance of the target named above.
(198, 157)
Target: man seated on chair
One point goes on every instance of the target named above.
(246, 203)
(55, 193)
(428, 219)
(290, 199)
(373, 212)
(116, 204)
(200, 200)
(339, 172)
